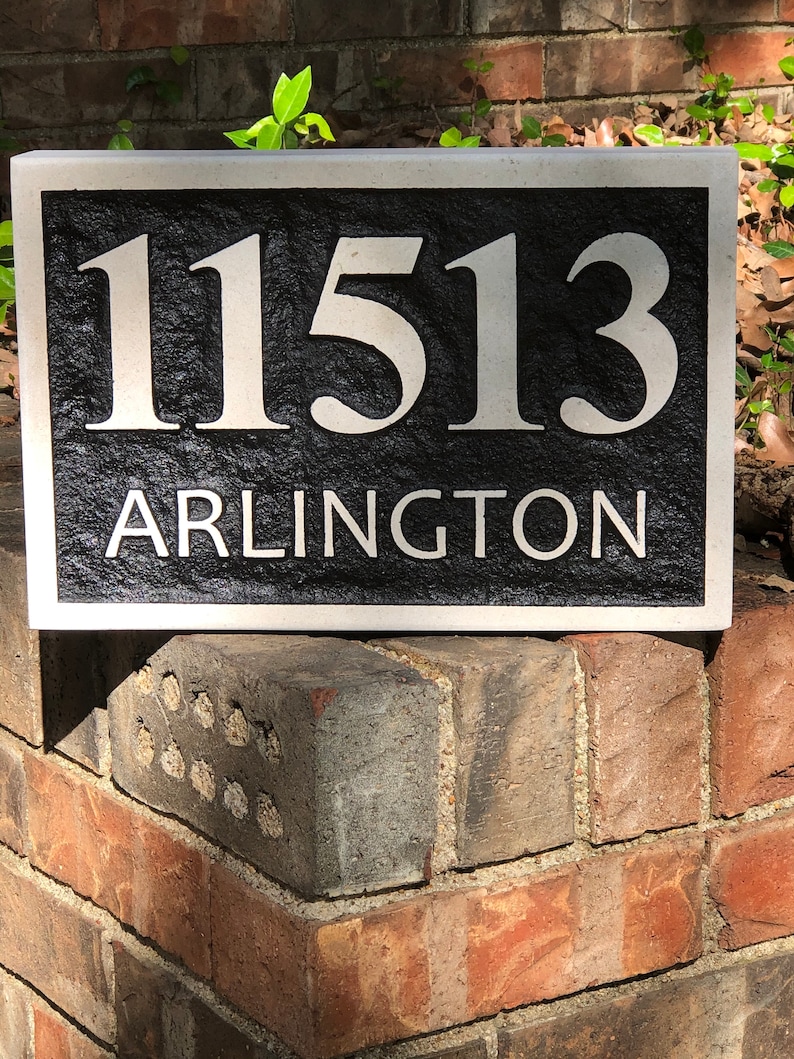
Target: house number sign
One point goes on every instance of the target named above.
(377, 390)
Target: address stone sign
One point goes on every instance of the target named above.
(403, 390)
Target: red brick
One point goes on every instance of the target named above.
(70, 93)
(749, 56)
(100, 847)
(521, 942)
(13, 798)
(38, 26)
(160, 1016)
(518, 16)
(645, 710)
(56, 1039)
(616, 67)
(752, 881)
(259, 958)
(438, 76)
(57, 947)
(752, 756)
(661, 14)
(356, 19)
(662, 920)
(786, 13)
(128, 24)
(371, 978)
(742, 1011)
(16, 1030)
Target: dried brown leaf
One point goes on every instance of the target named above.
(776, 581)
(779, 445)
(605, 133)
(499, 137)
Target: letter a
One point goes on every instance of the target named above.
(136, 498)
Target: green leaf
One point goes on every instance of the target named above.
(256, 128)
(787, 196)
(694, 40)
(784, 387)
(179, 54)
(470, 141)
(125, 125)
(3, 312)
(120, 142)
(531, 128)
(767, 185)
(486, 67)
(290, 140)
(291, 95)
(756, 407)
(482, 107)
(787, 65)
(753, 150)
(744, 103)
(787, 342)
(769, 113)
(696, 111)
(269, 138)
(169, 91)
(7, 284)
(450, 137)
(141, 75)
(239, 138)
(709, 79)
(320, 124)
(6, 233)
(557, 140)
(652, 133)
(470, 64)
(779, 247)
(742, 376)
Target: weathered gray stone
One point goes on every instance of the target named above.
(513, 702)
(313, 758)
(16, 1019)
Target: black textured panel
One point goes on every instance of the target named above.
(560, 355)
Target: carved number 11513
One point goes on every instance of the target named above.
(364, 320)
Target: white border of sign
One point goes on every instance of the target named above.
(713, 168)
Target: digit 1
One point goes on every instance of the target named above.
(494, 268)
(238, 266)
(127, 270)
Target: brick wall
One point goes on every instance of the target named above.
(227, 846)
(63, 65)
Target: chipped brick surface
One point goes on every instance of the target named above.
(315, 20)
(752, 881)
(39, 26)
(336, 800)
(645, 711)
(751, 57)
(513, 704)
(752, 722)
(16, 1018)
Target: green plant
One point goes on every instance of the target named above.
(7, 280)
(7, 143)
(120, 141)
(533, 130)
(479, 104)
(453, 137)
(774, 380)
(164, 88)
(288, 121)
